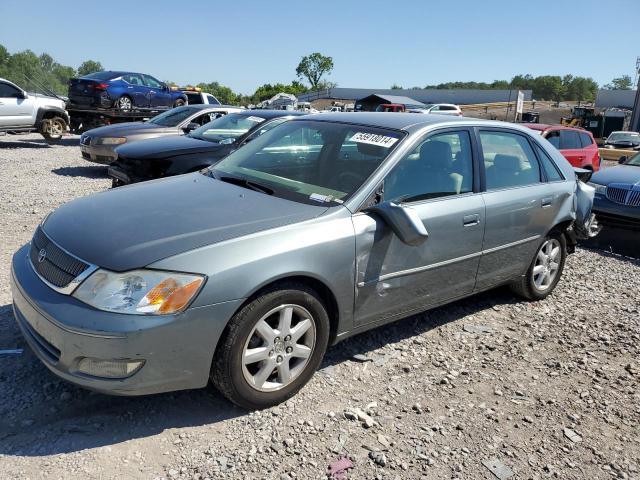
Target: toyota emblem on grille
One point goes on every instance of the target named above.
(42, 254)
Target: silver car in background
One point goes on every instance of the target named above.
(98, 145)
(323, 227)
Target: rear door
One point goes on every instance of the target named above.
(520, 205)
(571, 148)
(438, 180)
(590, 150)
(14, 110)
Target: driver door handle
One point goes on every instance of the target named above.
(471, 220)
(546, 202)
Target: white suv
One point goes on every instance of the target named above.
(24, 112)
(441, 109)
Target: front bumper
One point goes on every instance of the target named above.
(177, 349)
(102, 154)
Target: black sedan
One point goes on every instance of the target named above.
(623, 140)
(617, 199)
(203, 147)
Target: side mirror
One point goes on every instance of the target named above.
(22, 94)
(623, 159)
(403, 220)
(191, 126)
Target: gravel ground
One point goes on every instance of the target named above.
(488, 384)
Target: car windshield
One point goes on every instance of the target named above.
(173, 117)
(101, 75)
(230, 126)
(635, 160)
(310, 161)
(624, 136)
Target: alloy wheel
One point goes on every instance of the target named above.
(124, 103)
(547, 264)
(278, 348)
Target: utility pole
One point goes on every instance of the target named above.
(634, 125)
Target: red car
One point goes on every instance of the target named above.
(575, 144)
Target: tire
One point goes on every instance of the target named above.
(53, 128)
(259, 380)
(179, 102)
(124, 104)
(535, 285)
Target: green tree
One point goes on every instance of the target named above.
(89, 66)
(395, 86)
(221, 92)
(620, 83)
(313, 67)
(266, 91)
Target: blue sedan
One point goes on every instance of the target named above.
(617, 199)
(124, 91)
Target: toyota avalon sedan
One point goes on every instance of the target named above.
(202, 147)
(99, 144)
(322, 227)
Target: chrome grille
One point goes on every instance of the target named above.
(52, 263)
(624, 194)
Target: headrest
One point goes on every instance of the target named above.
(507, 162)
(435, 155)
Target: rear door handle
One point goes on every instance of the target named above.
(547, 201)
(471, 220)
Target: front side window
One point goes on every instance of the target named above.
(8, 91)
(152, 82)
(133, 79)
(509, 160)
(304, 160)
(440, 166)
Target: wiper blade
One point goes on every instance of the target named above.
(243, 182)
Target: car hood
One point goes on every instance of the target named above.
(132, 227)
(165, 147)
(619, 174)
(129, 128)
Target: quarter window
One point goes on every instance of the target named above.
(550, 168)
(509, 160)
(442, 165)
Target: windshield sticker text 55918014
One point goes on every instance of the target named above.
(374, 139)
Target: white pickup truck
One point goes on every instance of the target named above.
(21, 111)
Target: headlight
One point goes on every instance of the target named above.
(600, 189)
(145, 292)
(110, 141)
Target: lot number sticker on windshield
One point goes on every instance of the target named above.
(255, 119)
(374, 139)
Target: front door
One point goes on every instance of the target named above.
(439, 181)
(520, 206)
(15, 111)
(159, 95)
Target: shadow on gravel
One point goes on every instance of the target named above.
(617, 241)
(89, 171)
(39, 143)
(43, 415)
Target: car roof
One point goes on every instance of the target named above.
(397, 121)
(545, 126)
(266, 114)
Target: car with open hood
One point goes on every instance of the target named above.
(200, 148)
(324, 226)
(617, 197)
(99, 144)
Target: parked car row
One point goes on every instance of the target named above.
(305, 230)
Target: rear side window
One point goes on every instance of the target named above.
(569, 139)
(509, 160)
(550, 168)
(102, 75)
(554, 138)
(446, 107)
(585, 139)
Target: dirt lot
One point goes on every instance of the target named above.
(537, 390)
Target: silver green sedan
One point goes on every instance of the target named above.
(323, 227)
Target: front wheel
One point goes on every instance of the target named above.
(53, 128)
(545, 270)
(271, 347)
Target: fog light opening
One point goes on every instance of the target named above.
(109, 368)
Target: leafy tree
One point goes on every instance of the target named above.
(313, 67)
(396, 87)
(621, 83)
(89, 66)
(221, 92)
(266, 91)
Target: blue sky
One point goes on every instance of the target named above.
(244, 44)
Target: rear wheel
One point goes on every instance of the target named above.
(124, 104)
(545, 270)
(271, 347)
(53, 128)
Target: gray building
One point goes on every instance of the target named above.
(457, 96)
(615, 98)
(371, 102)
